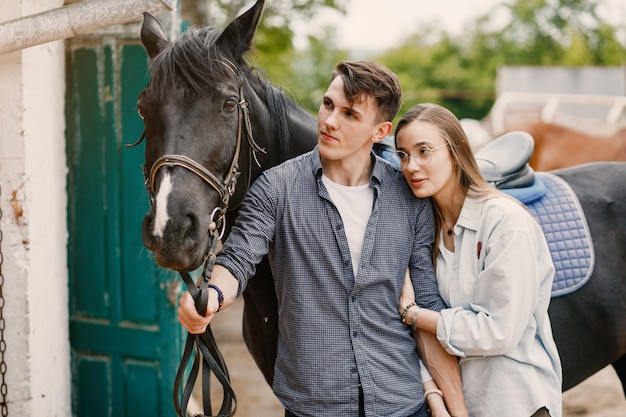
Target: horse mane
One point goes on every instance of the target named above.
(195, 61)
(279, 104)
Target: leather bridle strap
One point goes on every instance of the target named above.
(206, 354)
(225, 188)
(191, 165)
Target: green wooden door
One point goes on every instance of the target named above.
(125, 340)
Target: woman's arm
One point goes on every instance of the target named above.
(443, 367)
(445, 370)
(423, 318)
(434, 400)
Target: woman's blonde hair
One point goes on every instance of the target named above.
(469, 177)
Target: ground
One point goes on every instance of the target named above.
(599, 396)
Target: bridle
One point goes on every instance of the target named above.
(204, 345)
(226, 187)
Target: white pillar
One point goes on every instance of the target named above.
(34, 227)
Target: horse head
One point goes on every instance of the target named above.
(198, 134)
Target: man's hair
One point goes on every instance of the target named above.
(368, 78)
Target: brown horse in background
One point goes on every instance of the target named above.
(557, 146)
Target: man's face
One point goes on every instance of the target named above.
(345, 130)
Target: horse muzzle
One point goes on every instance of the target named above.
(179, 244)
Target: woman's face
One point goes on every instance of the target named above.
(435, 173)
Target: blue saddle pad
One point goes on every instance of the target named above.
(553, 203)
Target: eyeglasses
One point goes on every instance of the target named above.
(422, 154)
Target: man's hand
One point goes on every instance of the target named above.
(188, 315)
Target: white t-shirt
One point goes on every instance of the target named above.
(355, 207)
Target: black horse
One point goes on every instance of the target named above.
(204, 103)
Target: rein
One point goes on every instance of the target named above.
(203, 347)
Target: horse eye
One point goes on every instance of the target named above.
(230, 105)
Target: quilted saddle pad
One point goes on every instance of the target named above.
(553, 203)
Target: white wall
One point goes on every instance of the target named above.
(33, 224)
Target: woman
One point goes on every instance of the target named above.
(493, 268)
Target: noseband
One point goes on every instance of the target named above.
(204, 346)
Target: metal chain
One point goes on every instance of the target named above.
(4, 407)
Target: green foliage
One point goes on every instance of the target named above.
(460, 72)
(436, 68)
(304, 75)
(312, 70)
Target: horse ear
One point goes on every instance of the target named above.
(153, 35)
(237, 36)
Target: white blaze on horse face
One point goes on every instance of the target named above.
(161, 217)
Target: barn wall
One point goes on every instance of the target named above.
(607, 81)
(588, 99)
(33, 224)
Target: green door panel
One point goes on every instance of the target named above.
(125, 339)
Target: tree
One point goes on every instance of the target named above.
(311, 69)
(435, 67)
(460, 72)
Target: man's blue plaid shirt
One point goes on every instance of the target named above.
(337, 330)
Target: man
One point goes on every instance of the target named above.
(340, 227)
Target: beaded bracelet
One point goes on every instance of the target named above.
(220, 296)
(406, 309)
(414, 319)
(432, 391)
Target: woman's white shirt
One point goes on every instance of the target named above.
(497, 282)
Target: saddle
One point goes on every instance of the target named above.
(504, 161)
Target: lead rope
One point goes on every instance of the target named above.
(4, 407)
(204, 351)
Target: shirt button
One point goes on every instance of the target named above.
(355, 334)
(353, 370)
(353, 298)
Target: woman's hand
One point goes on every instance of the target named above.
(434, 400)
(437, 408)
(408, 294)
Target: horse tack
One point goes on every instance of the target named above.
(204, 345)
(504, 164)
(225, 188)
(559, 213)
